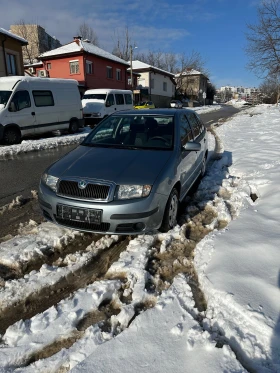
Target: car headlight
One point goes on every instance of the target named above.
(50, 181)
(133, 191)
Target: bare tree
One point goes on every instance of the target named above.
(30, 33)
(263, 40)
(124, 44)
(192, 61)
(87, 33)
(270, 89)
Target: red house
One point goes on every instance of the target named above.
(91, 66)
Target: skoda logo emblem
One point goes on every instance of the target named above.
(82, 184)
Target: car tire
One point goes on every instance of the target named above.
(170, 213)
(73, 126)
(12, 136)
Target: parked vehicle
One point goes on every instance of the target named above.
(145, 105)
(99, 103)
(176, 103)
(30, 106)
(129, 174)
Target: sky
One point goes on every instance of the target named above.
(237, 265)
(214, 28)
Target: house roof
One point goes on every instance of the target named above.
(139, 65)
(13, 36)
(189, 72)
(80, 46)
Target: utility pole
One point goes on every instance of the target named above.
(131, 70)
(131, 73)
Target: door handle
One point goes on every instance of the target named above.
(33, 113)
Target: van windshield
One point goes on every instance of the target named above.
(4, 97)
(94, 96)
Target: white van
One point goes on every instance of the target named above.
(30, 106)
(99, 103)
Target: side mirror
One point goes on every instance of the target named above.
(107, 104)
(192, 146)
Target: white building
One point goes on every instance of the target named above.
(153, 84)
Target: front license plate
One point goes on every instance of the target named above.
(79, 214)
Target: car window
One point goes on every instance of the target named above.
(185, 129)
(119, 99)
(196, 127)
(21, 100)
(128, 98)
(134, 132)
(110, 99)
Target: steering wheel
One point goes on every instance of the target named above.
(161, 139)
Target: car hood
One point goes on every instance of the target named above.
(92, 106)
(122, 166)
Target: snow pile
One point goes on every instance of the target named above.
(238, 268)
(236, 102)
(42, 144)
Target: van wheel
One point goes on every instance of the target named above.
(11, 136)
(73, 126)
(171, 210)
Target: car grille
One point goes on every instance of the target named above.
(103, 227)
(69, 188)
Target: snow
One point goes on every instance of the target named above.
(237, 267)
(139, 65)
(82, 46)
(42, 144)
(13, 36)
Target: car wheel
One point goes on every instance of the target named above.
(171, 210)
(73, 126)
(12, 136)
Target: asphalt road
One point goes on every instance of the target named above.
(20, 175)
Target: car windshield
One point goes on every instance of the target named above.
(94, 96)
(4, 97)
(142, 103)
(128, 131)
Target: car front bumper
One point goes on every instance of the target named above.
(135, 216)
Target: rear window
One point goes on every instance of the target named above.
(43, 98)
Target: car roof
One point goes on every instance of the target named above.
(158, 111)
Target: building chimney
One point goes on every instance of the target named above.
(77, 39)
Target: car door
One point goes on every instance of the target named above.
(21, 112)
(199, 134)
(188, 159)
(46, 111)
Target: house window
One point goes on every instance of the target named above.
(11, 64)
(49, 66)
(89, 67)
(43, 98)
(74, 67)
(164, 86)
(129, 81)
(109, 72)
(152, 83)
(118, 74)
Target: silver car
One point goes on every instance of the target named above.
(129, 174)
